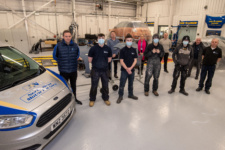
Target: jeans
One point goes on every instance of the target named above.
(210, 70)
(165, 61)
(153, 68)
(72, 77)
(177, 71)
(123, 79)
(95, 76)
(198, 65)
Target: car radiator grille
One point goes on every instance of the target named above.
(53, 111)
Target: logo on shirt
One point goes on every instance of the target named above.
(132, 53)
(215, 52)
(105, 52)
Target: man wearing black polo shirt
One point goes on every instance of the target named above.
(211, 55)
(100, 55)
(128, 59)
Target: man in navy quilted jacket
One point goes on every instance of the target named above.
(66, 54)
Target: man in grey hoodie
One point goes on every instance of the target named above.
(182, 57)
(154, 54)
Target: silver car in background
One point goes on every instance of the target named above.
(35, 103)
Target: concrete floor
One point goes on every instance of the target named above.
(167, 122)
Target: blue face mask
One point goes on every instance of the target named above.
(156, 40)
(101, 41)
(129, 43)
(185, 42)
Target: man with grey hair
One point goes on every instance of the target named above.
(197, 49)
(211, 55)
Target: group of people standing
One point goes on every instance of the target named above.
(184, 56)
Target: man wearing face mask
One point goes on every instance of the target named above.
(182, 57)
(100, 55)
(128, 60)
(153, 53)
(197, 49)
(211, 55)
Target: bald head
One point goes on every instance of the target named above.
(214, 42)
(198, 41)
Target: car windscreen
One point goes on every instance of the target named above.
(16, 68)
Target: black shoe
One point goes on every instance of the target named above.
(141, 73)
(184, 92)
(198, 89)
(133, 97)
(188, 75)
(115, 75)
(110, 78)
(155, 93)
(171, 91)
(119, 100)
(166, 71)
(207, 91)
(78, 102)
(138, 72)
(196, 78)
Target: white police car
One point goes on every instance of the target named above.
(35, 103)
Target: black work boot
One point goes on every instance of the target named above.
(115, 75)
(198, 89)
(133, 97)
(183, 92)
(119, 99)
(207, 91)
(78, 102)
(171, 91)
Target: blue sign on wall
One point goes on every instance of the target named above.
(215, 22)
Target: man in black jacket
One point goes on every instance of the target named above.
(154, 54)
(182, 56)
(211, 55)
(197, 49)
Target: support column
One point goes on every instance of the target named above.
(156, 23)
(170, 15)
(25, 21)
(109, 15)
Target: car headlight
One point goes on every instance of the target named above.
(12, 121)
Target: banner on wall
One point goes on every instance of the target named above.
(190, 23)
(215, 22)
(150, 23)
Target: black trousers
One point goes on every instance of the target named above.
(177, 71)
(72, 77)
(115, 66)
(198, 66)
(95, 76)
(165, 60)
(142, 66)
(207, 70)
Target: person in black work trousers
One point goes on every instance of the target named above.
(154, 54)
(100, 55)
(128, 60)
(182, 57)
(211, 55)
(66, 54)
